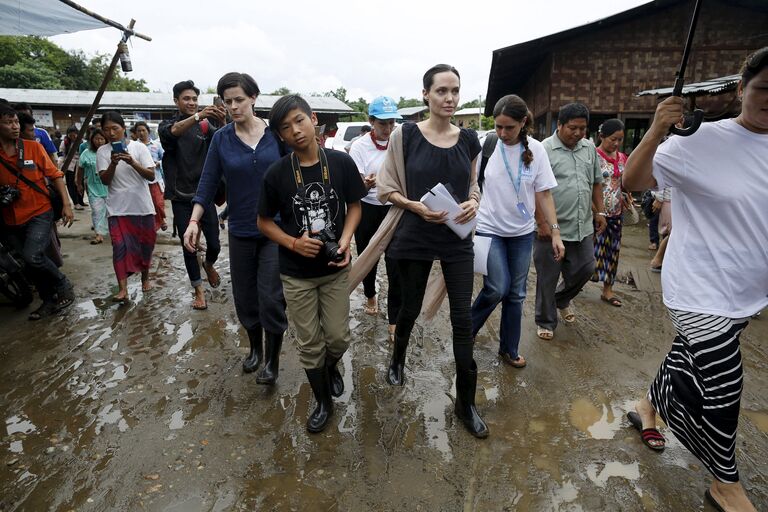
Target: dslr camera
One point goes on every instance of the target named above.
(9, 194)
(330, 247)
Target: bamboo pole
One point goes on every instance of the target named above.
(96, 101)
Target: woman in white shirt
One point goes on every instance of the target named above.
(127, 171)
(715, 273)
(516, 178)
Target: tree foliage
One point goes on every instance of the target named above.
(31, 62)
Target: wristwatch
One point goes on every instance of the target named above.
(554, 226)
(197, 117)
(602, 214)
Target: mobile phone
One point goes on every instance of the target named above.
(118, 147)
(218, 102)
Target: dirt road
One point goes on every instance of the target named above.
(144, 407)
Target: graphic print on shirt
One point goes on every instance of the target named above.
(315, 207)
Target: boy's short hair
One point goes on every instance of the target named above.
(7, 111)
(183, 86)
(572, 111)
(283, 107)
(136, 125)
(25, 120)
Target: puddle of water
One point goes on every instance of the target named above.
(16, 447)
(613, 469)
(89, 310)
(599, 422)
(177, 420)
(491, 394)
(105, 335)
(433, 407)
(183, 336)
(109, 417)
(759, 418)
(564, 494)
(15, 425)
(347, 422)
(118, 375)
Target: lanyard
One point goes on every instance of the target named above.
(516, 184)
(297, 176)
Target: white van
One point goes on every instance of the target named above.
(344, 135)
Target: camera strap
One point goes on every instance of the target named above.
(18, 173)
(299, 178)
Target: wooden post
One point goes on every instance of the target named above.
(95, 105)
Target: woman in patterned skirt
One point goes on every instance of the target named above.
(608, 243)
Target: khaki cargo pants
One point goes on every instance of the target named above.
(318, 307)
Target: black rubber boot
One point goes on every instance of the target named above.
(396, 371)
(252, 362)
(466, 384)
(321, 387)
(272, 346)
(337, 383)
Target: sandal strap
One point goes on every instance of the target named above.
(652, 433)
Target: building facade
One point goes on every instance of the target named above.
(605, 64)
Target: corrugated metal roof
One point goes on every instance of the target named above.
(409, 111)
(474, 111)
(148, 100)
(711, 87)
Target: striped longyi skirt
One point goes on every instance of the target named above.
(697, 391)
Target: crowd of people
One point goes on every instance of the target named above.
(295, 207)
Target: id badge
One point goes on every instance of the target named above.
(523, 211)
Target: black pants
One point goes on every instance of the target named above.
(256, 285)
(653, 228)
(371, 218)
(458, 280)
(209, 225)
(31, 240)
(77, 198)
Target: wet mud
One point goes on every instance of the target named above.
(144, 406)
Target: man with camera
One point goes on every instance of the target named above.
(27, 212)
(185, 139)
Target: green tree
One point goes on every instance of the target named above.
(281, 91)
(23, 73)
(410, 102)
(37, 63)
(340, 94)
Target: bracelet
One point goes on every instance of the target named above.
(194, 220)
(293, 245)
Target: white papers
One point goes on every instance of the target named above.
(482, 248)
(438, 200)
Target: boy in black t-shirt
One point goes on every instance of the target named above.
(317, 193)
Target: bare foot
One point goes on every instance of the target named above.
(199, 301)
(647, 413)
(731, 497)
(371, 307)
(146, 285)
(121, 296)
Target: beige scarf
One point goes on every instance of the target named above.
(391, 178)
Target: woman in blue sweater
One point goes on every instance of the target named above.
(240, 153)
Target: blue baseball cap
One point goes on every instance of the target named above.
(383, 107)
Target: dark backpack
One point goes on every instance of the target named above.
(489, 146)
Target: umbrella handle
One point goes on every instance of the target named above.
(698, 117)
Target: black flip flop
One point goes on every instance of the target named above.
(646, 434)
(708, 497)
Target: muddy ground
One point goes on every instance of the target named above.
(144, 407)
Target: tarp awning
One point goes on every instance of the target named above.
(711, 87)
(43, 18)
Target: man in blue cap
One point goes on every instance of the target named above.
(369, 152)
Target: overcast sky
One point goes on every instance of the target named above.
(368, 47)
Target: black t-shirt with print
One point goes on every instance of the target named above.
(319, 205)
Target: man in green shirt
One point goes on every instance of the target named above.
(579, 192)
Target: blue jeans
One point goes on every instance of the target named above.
(508, 261)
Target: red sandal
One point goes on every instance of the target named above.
(651, 437)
